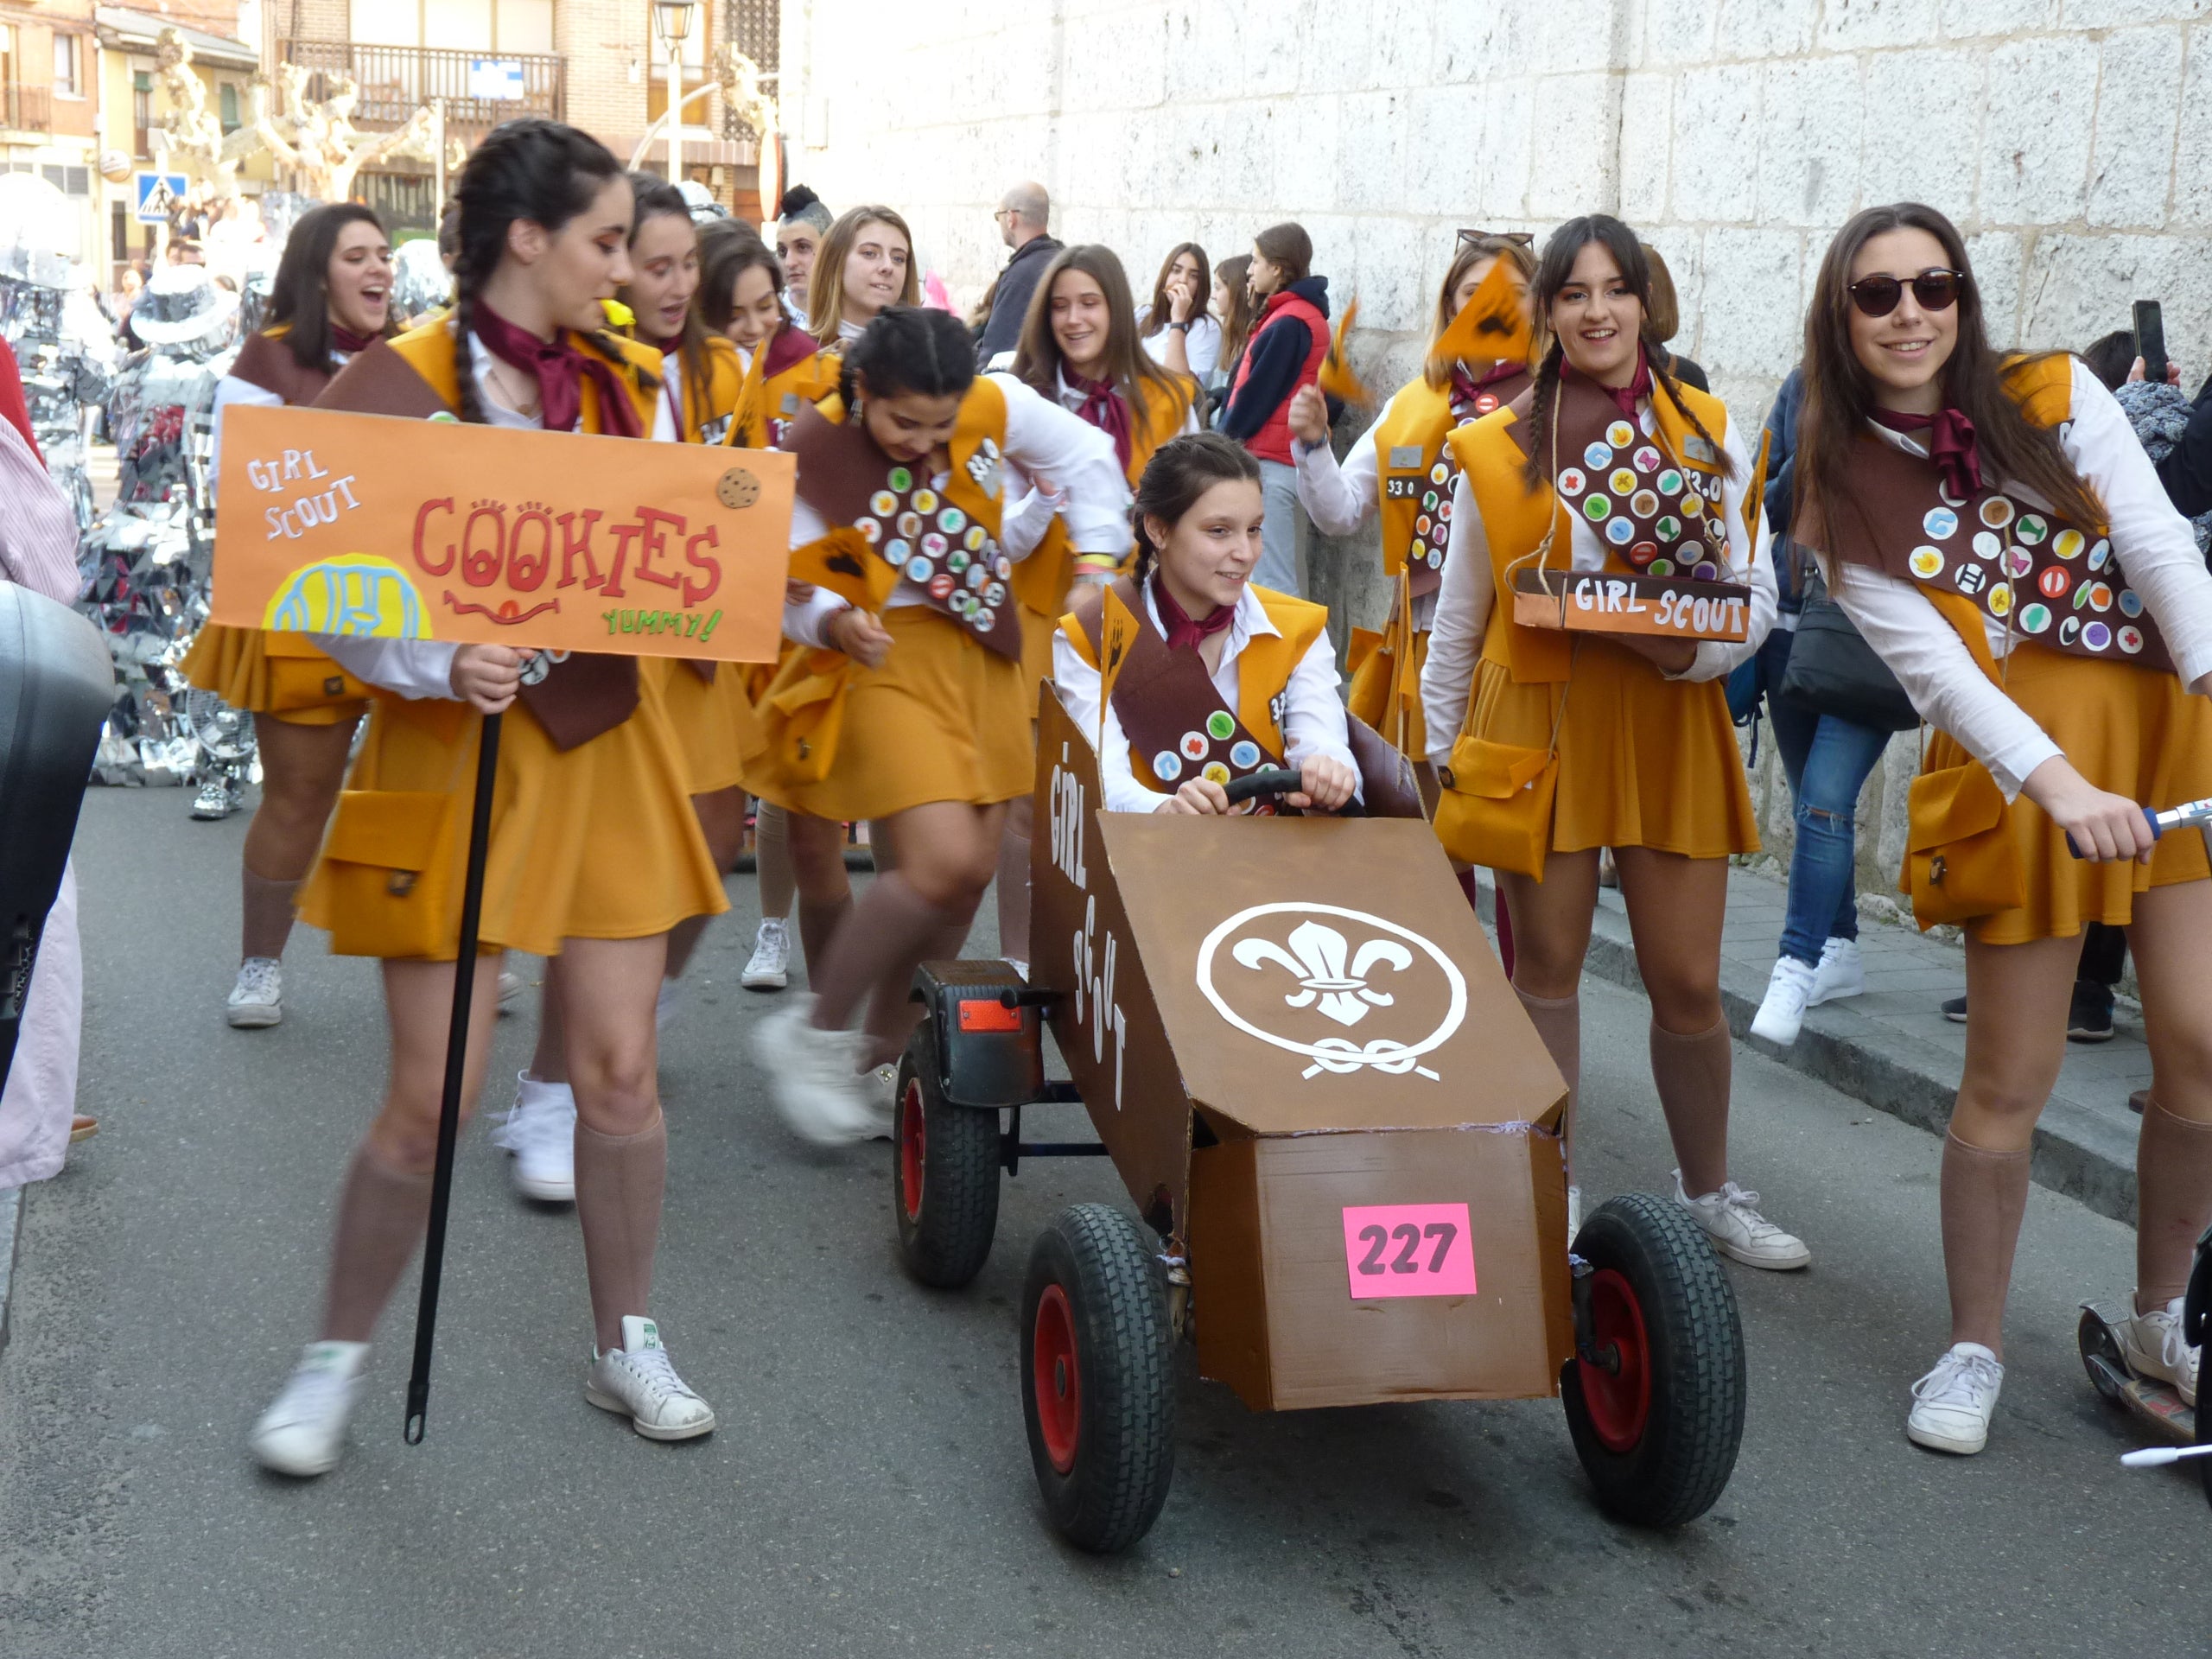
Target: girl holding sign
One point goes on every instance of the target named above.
(594, 851)
(908, 707)
(331, 298)
(1461, 382)
(1551, 745)
(1999, 538)
(1248, 673)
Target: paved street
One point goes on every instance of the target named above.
(869, 1490)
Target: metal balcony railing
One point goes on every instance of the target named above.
(27, 109)
(397, 80)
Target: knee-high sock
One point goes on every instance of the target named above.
(268, 914)
(1691, 1075)
(619, 1179)
(1558, 1020)
(885, 936)
(1013, 894)
(892, 1013)
(381, 1215)
(1984, 1194)
(2173, 1201)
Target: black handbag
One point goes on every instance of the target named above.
(1833, 670)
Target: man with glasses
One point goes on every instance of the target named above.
(1022, 215)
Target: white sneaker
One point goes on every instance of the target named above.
(540, 1130)
(639, 1381)
(815, 1076)
(257, 1000)
(1789, 988)
(2152, 1346)
(512, 986)
(1841, 973)
(303, 1432)
(215, 801)
(769, 967)
(1953, 1404)
(1730, 1218)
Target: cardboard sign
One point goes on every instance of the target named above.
(1679, 607)
(1493, 325)
(377, 527)
(1408, 1250)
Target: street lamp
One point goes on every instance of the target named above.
(673, 18)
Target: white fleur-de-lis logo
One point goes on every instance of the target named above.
(1317, 960)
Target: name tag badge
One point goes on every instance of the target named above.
(1408, 456)
(1696, 449)
(1401, 487)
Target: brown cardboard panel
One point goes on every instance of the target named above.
(1327, 1348)
(1229, 1297)
(1105, 1020)
(1611, 601)
(1321, 973)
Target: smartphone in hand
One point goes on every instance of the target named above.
(2151, 341)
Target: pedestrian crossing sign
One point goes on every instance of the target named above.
(159, 195)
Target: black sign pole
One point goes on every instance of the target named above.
(464, 985)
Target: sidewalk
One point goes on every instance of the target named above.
(1892, 1048)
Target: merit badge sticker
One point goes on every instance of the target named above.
(2000, 599)
(1596, 508)
(1167, 765)
(1927, 563)
(925, 500)
(2069, 543)
(2131, 639)
(1670, 482)
(1997, 512)
(1646, 459)
(952, 521)
(883, 504)
(1245, 755)
(1620, 434)
(1941, 523)
(2035, 618)
(1194, 746)
(1571, 482)
(2031, 529)
(940, 587)
(901, 480)
(2100, 554)
(2097, 636)
(1621, 532)
(1408, 1250)
(1643, 504)
(1987, 545)
(2131, 602)
(2054, 582)
(1215, 772)
(1597, 457)
(1221, 726)
(1622, 481)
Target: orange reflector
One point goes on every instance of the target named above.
(989, 1014)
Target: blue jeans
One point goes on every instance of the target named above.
(1827, 762)
(1277, 565)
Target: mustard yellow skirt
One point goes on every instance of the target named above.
(597, 843)
(277, 674)
(1381, 687)
(712, 721)
(945, 719)
(1643, 761)
(2134, 731)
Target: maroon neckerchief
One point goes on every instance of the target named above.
(1466, 387)
(1181, 630)
(664, 346)
(560, 368)
(1950, 442)
(345, 340)
(1623, 397)
(1103, 406)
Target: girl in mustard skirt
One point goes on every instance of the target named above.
(594, 851)
(1999, 538)
(1552, 745)
(907, 707)
(331, 298)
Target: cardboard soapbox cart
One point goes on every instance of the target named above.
(1340, 1132)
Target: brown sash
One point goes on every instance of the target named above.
(267, 362)
(895, 509)
(1169, 707)
(2024, 568)
(1433, 525)
(1653, 514)
(582, 694)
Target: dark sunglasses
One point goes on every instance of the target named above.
(1526, 238)
(1932, 290)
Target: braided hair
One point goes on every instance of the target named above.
(1552, 273)
(1181, 471)
(534, 169)
(910, 349)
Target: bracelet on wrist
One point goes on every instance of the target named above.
(1181, 328)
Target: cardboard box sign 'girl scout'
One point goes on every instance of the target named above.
(377, 527)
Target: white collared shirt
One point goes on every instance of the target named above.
(1468, 591)
(1313, 718)
(2156, 549)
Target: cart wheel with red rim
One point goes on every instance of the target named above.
(944, 1173)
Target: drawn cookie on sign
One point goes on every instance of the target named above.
(737, 488)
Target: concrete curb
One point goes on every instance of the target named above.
(11, 1233)
(2080, 1152)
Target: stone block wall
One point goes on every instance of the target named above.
(2070, 139)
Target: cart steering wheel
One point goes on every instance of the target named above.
(1280, 781)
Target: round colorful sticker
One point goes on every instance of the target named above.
(1927, 563)
(1620, 434)
(1003, 566)
(1622, 482)
(986, 618)
(956, 561)
(1642, 554)
(901, 480)
(2069, 543)
(1940, 522)
(1688, 554)
(1621, 532)
(1167, 765)
(1485, 401)
(910, 525)
(1596, 507)
(1440, 473)
(1667, 528)
(871, 531)
(1597, 457)
(2131, 602)
(974, 539)
(1661, 567)
(896, 551)
(2001, 599)
(918, 569)
(1997, 512)
(1435, 560)
(1421, 524)
(1245, 755)
(940, 587)
(1987, 545)
(2035, 617)
(1670, 482)
(2131, 639)
(883, 504)
(2100, 554)
(1707, 570)
(1643, 504)
(978, 575)
(2100, 597)
(1693, 506)
(1946, 495)
(1215, 772)
(925, 500)
(2069, 632)
(2054, 582)
(1221, 725)
(1194, 746)
(1428, 501)
(995, 593)
(2018, 561)
(1571, 481)
(951, 521)
(2031, 529)
(2097, 636)
(1646, 458)
(934, 544)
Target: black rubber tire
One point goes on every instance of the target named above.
(1679, 1466)
(1124, 1453)
(2095, 1340)
(946, 1244)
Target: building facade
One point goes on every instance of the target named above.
(49, 103)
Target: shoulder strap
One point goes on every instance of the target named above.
(265, 361)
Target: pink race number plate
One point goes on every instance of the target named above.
(1408, 1250)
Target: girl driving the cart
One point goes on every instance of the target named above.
(1207, 678)
(908, 707)
(1553, 745)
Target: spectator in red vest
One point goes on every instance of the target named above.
(1289, 339)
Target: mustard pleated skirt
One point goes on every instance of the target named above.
(276, 673)
(2132, 731)
(1644, 761)
(712, 721)
(945, 719)
(596, 842)
(1381, 686)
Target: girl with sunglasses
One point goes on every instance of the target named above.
(1628, 735)
(594, 853)
(2000, 539)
